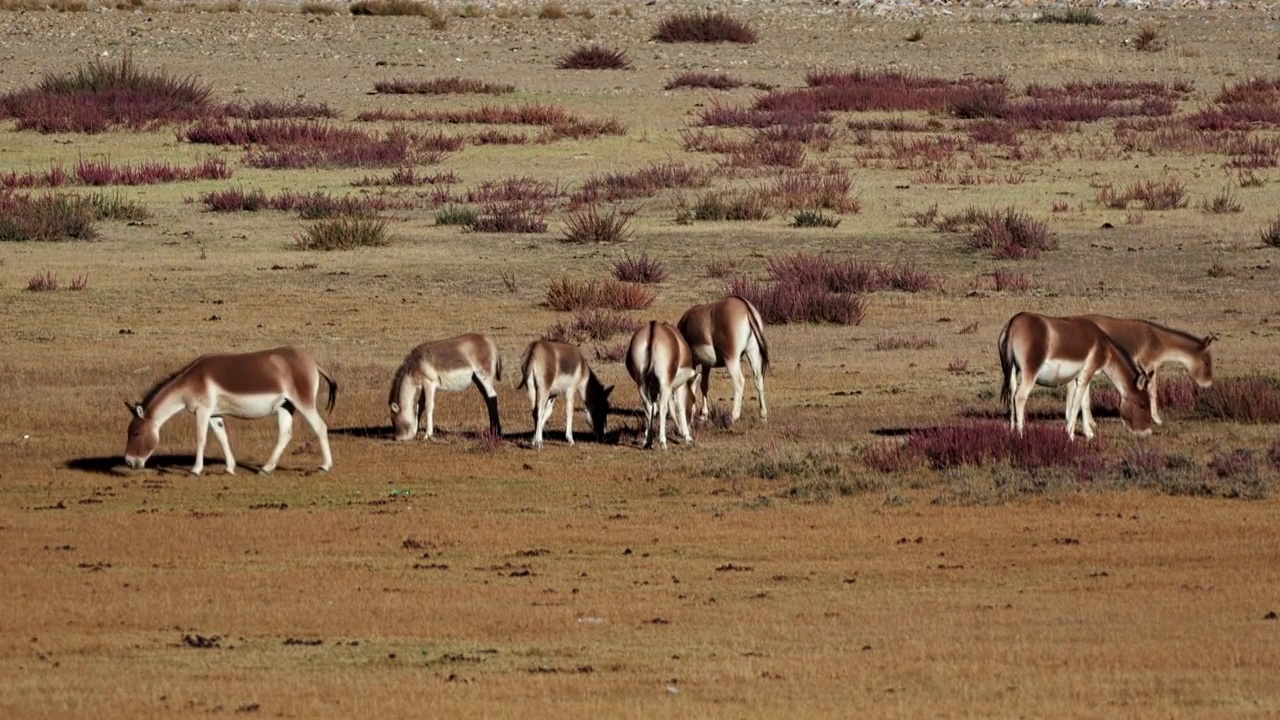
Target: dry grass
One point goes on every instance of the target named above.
(810, 566)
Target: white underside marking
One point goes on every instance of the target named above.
(1058, 372)
(249, 407)
(456, 380)
(561, 385)
(704, 354)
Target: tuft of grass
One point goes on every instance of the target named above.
(344, 233)
(902, 342)
(510, 216)
(1070, 16)
(1148, 39)
(592, 226)
(642, 269)
(791, 302)
(704, 27)
(813, 218)
(916, 35)
(46, 218)
(594, 57)
(721, 267)
(401, 8)
(1250, 399)
(1008, 281)
(736, 206)
(453, 85)
(456, 215)
(709, 80)
(569, 295)
(79, 282)
(1222, 203)
(1011, 234)
(43, 282)
(1270, 234)
(116, 207)
(592, 324)
(552, 10)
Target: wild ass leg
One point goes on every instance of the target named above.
(203, 418)
(680, 401)
(1022, 390)
(649, 408)
(490, 402)
(1086, 412)
(429, 404)
(284, 423)
(220, 431)
(535, 409)
(664, 403)
(704, 383)
(734, 366)
(568, 416)
(1154, 392)
(1073, 408)
(757, 375)
(321, 430)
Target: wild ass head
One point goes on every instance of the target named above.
(598, 405)
(406, 396)
(1135, 405)
(1201, 365)
(144, 436)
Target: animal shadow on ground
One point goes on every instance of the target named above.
(164, 465)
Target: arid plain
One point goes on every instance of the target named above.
(768, 569)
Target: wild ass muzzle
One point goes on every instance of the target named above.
(1151, 345)
(552, 369)
(1052, 351)
(450, 365)
(661, 364)
(249, 385)
(719, 335)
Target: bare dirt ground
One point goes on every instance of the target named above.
(732, 578)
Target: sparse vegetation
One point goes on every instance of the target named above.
(640, 269)
(1270, 234)
(1071, 16)
(570, 295)
(594, 57)
(344, 233)
(453, 85)
(713, 81)
(704, 27)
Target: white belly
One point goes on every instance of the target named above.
(704, 355)
(247, 406)
(1058, 372)
(455, 380)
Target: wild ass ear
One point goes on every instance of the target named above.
(395, 407)
(1142, 380)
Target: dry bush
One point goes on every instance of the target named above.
(737, 206)
(569, 295)
(401, 8)
(592, 324)
(721, 267)
(594, 57)
(902, 342)
(592, 226)
(1148, 39)
(552, 10)
(510, 216)
(46, 218)
(704, 27)
(791, 302)
(79, 282)
(710, 80)
(814, 191)
(274, 110)
(642, 269)
(1250, 399)
(645, 182)
(408, 177)
(344, 233)
(103, 96)
(1222, 203)
(814, 218)
(103, 172)
(1009, 281)
(46, 282)
(1070, 16)
(1011, 234)
(456, 215)
(454, 85)
(1270, 234)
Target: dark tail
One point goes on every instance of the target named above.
(757, 329)
(333, 389)
(1006, 365)
(648, 353)
(524, 367)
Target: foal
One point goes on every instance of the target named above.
(551, 369)
(1051, 351)
(449, 365)
(661, 364)
(719, 335)
(1151, 344)
(249, 385)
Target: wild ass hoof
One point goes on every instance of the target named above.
(196, 471)
(266, 469)
(230, 470)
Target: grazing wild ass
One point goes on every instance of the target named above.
(719, 334)
(1052, 351)
(1151, 344)
(661, 364)
(449, 365)
(551, 369)
(249, 385)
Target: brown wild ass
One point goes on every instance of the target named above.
(1151, 344)
(1051, 351)
(249, 385)
(719, 334)
(551, 369)
(449, 365)
(661, 364)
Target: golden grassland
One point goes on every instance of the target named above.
(721, 579)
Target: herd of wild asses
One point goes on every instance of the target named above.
(669, 365)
